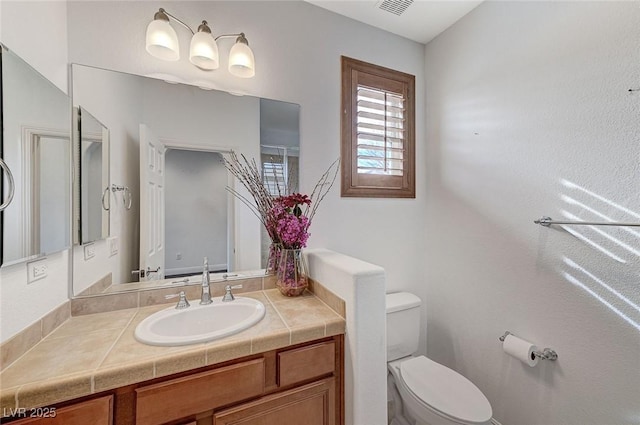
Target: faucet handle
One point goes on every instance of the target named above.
(228, 296)
(182, 302)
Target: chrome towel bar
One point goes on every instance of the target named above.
(548, 221)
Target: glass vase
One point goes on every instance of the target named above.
(274, 258)
(292, 275)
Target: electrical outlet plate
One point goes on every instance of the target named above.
(37, 270)
(89, 251)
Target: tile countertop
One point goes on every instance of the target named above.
(93, 353)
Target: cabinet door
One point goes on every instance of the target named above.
(312, 404)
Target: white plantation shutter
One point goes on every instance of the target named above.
(380, 132)
(272, 176)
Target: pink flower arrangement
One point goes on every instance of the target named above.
(292, 226)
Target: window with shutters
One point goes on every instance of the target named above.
(279, 169)
(273, 177)
(378, 131)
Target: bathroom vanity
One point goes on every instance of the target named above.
(287, 367)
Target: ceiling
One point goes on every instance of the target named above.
(421, 21)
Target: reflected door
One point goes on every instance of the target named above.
(152, 191)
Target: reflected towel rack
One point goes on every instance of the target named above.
(127, 198)
(126, 195)
(548, 221)
(12, 185)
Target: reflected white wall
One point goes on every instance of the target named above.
(117, 103)
(55, 191)
(195, 212)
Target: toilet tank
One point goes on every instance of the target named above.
(403, 324)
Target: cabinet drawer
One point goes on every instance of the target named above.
(98, 411)
(306, 363)
(181, 397)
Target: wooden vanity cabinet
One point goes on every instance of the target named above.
(301, 384)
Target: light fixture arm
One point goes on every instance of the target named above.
(163, 14)
(240, 37)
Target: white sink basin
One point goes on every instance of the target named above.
(199, 323)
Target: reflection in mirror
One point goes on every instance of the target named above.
(93, 194)
(279, 153)
(183, 208)
(36, 146)
(166, 143)
(196, 219)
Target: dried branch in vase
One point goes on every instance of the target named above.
(286, 217)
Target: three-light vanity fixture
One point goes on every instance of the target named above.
(162, 43)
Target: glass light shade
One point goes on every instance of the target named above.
(162, 41)
(203, 52)
(241, 61)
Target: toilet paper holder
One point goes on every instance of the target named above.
(546, 354)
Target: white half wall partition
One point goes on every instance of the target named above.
(362, 286)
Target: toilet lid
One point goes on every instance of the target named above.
(445, 390)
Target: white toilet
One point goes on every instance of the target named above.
(429, 393)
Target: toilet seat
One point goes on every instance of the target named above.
(445, 391)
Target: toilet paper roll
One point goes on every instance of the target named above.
(520, 349)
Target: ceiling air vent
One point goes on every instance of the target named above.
(397, 7)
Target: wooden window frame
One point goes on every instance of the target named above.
(365, 185)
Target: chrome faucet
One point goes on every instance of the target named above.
(228, 296)
(205, 298)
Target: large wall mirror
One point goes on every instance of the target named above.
(169, 206)
(36, 147)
